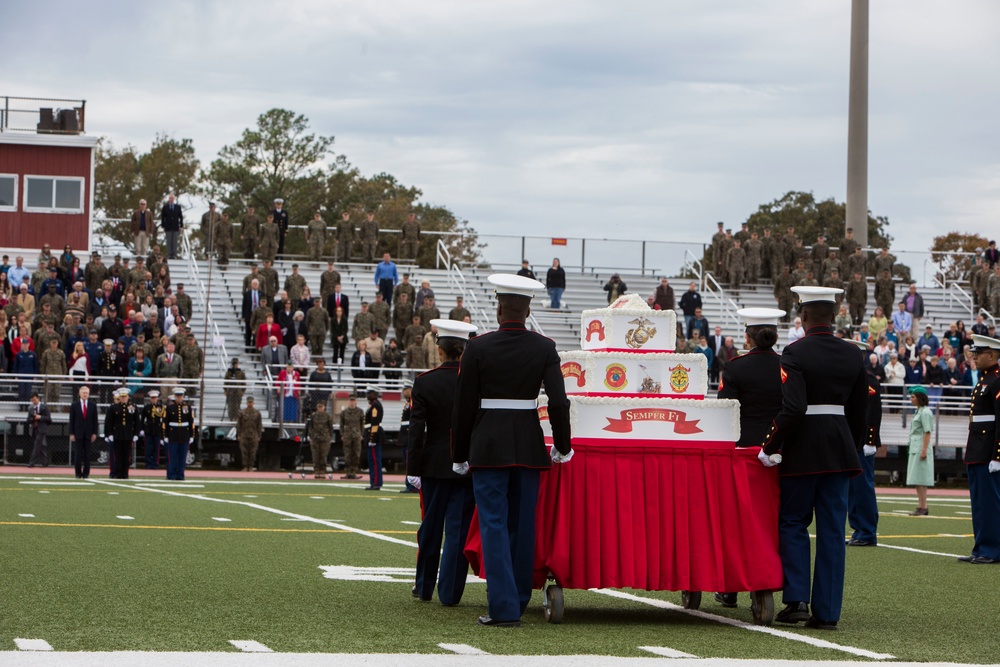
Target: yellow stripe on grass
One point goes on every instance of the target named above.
(368, 496)
(211, 528)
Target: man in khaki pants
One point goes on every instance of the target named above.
(142, 228)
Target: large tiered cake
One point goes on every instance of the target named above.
(627, 384)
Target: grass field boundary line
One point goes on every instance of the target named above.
(250, 646)
(463, 649)
(666, 652)
(272, 510)
(783, 634)
(918, 551)
(32, 644)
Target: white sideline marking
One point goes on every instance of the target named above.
(315, 497)
(293, 519)
(172, 485)
(250, 646)
(27, 516)
(383, 574)
(43, 491)
(32, 644)
(220, 518)
(919, 551)
(463, 649)
(667, 652)
(52, 483)
(411, 523)
(127, 518)
(812, 641)
(243, 496)
(385, 498)
(265, 508)
(966, 513)
(112, 493)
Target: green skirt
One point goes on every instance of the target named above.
(920, 473)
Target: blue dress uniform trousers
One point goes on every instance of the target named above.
(506, 500)
(447, 506)
(984, 491)
(375, 464)
(862, 508)
(176, 459)
(153, 452)
(800, 495)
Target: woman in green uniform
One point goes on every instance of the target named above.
(920, 464)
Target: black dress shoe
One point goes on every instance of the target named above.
(414, 593)
(813, 622)
(793, 613)
(983, 560)
(860, 543)
(493, 623)
(965, 559)
(726, 599)
(373, 488)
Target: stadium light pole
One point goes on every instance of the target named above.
(857, 125)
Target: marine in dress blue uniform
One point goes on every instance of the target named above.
(446, 498)
(818, 433)
(180, 435)
(982, 454)
(404, 433)
(862, 507)
(754, 379)
(121, 431)
(281, 220)
(374, 436)
(153, 428)
(496, 431)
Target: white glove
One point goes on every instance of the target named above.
(109, 438)
(414, 481)
(869, 450)
(768, 461)
(191, 441)
(560, 458)
(135, 438)
(142, 434)
(460, 468)
(994, 466)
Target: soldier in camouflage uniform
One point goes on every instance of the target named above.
(402, 315)
(320, 430)
(754, 250)
(250, 233)
(52, 362)
(382, 315)
(294, 284)
(404, 287)
(724, 247)
(249, 429)
(327, 281)
(736, 265)
(316, 236)
(234, 390)
(884, 262)
(800, 273)
(352, 422)
(885, 293)
(193, 358)
(363, 325)
(208, 222)
(269, 280)
(415, 354)
(252, 276)
(857, 298)
(743, 235)
(183, 302)
(95, 274)
(783, 291)
(268, 243)
(848, 244)
(369, 237)
(459, 312)
(717, 239)
(138, 274)
(834, 281)
(410, 241)
(820, 251)
(345, 237)
(317, 324)
(224, 239)
(856, 262)
(832, 264)
(778, 258)
(56, 303)
(994, 288)
(984, 285)
(428, 312)
(766, 244)
(809, 280)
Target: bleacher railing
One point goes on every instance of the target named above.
(957, 296)
(727, 306)
(218, 342)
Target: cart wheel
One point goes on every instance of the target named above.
(553, 603)
(690, 599)
(762, 607)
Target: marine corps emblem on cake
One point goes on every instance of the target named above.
(679, 379)
(636, 338)
(615, 379)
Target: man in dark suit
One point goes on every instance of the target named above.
(446, 497)
(251, 300)
(818, 432)
(862, 507)
(716, 341)
(83, 431)
(39, 419)
(172, 221)
(337, 298)
(992, 255)
(496, 432)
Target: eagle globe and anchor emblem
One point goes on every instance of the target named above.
(641, 334)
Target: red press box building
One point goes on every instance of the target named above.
(46, 175)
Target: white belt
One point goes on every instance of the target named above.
(176, 424)
(825, 410)
(400, 423)
(507, 404)
(982, 418)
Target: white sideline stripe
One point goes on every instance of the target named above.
(666, 652)
(220, 518)
(43, 491)
(125, 517)
(292, 515)
(172, 485)
(27, 516)
(784, 634)
(411, 523)
(52, 483)
(250, 646)
(249, 496)
(112, 493)
(385, 498)
(463, 649)
(32, 644)
(930, 499)
(315, 497)
(919, 551)
(966, 513)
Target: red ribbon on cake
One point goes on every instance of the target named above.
(678, 418)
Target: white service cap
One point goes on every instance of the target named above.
(454, 329)
(862, 345)
(810, 293)
(508, 283)
(154, 394)
(178, 391)
(122, 391)
(279, 201)
(756, 317)
(980, 342)
(375, 388)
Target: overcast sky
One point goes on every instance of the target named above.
(565, 118)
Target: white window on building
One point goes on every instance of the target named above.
(8, 192)
(53, 194)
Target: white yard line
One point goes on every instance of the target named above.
(411, 523)
(250, 646)
(32, 644)
(55, 483)
(220, 518)
(125, 517)
(463, 649)
(264, 508)
(665, 652)
(918, 551)
(784, 634)
(27, 516)
(171, 485)
(965, 513)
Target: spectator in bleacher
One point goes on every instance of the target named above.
(317, 324)
(914, 371)
(274, 355)
(294, 284)
(843, 321)
(716, 341)
(327, 280)
(555, 283)
(79, 360)
(795, 332)
(459, 312)
(930, 340)
(873, 365)
(970, 376)
(267, 331)
(234, 388)
(726, 354)
(139, 369)
(953, 378)
(53, 362)
(338, 299)
(696, 325)
(338, 335)
(320, 383)
(381, 314)
(67, 257)
(306, 300)
(25, 363)
(112, 327)
(878, 322)
(289, 386)
(299, 354)
(703, 347)
(663, 297)
(26, 302)
(895, 372)
(425, 292)
(251, 301)
(980, 326)
(992, 256)
(526, 271)
(183, 301)
(953, 336)
(914, 306)
(285, 320)
(361, 363)
(415, 346)
(902, 320)
(363, 324)
(615, 287)
(392, 358)
(386, 277)
(299, 327)
(17, 274)
(428, 312)
(375, 345)
(432, 358)
(404, 287)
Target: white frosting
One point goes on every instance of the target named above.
(616, 327)
(655, 419)
(635, 374)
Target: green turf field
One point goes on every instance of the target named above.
(114, 566)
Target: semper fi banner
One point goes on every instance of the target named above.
(679, 419)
